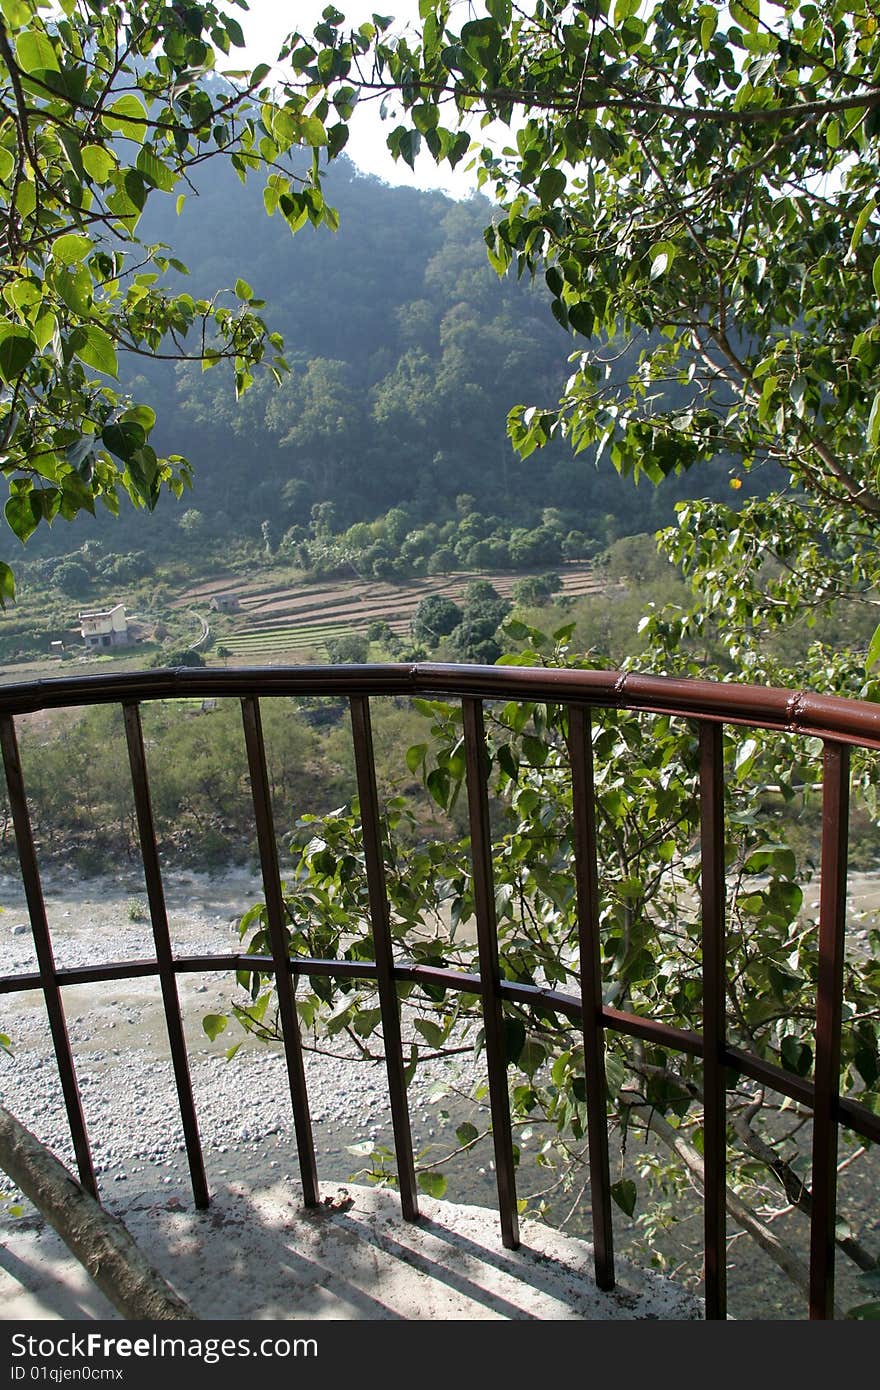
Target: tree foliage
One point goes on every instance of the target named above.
(696, 179)
(102, 110)
(435, 617)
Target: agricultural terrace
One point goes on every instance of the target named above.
(276, 621)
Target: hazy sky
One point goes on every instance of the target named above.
(265, 26)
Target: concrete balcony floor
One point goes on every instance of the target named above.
(256, 1254)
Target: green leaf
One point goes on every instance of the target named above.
(431, 1032)
(22, 515)
(482, 39)
(582, 318)
(26, 197)
(532, 1057)
(434, 1184)
(69, 249)
(862, 221)
(437, 783)
(35, 52)
(874, 423)
(867, 1060)
(405, 144)
(864, 1312)
(94, 347)
(124, 439)
(409, 1070)
(551, 186)
(128, 115)
(796, 1056)
(514, 1039)
(873, 650)
(662, 255)
(155, 171)
(76, 496)
(875, 276)
(214, 1025)
(624, 1194)
(143, 415)
(615, 1073)
(233, 29)
(98, 162)
(415, 756)
(745, 756)
(243, 289)
(507, 762)
(745, 15)
(17, 347)
(466, 1133)
(366, 1021)
(7, 589)
(70, 145)
(16, 13)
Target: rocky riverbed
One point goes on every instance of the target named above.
(118, 1037)
(360, 1260)
(120, 1047)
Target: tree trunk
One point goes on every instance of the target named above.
(99, 1241)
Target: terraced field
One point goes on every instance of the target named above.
(276, 620)
(259, 644)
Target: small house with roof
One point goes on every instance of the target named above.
(105, 629)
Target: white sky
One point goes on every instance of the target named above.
(267, 24)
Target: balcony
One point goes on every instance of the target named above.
(582, 700)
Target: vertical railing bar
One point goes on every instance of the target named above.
(712, 891)
(30, 874)
(389, 1000)
(580, 748)
(829, 1012)
(490, 973)
(164, 955)
(275, 913)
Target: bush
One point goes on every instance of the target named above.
(180, 656)
(351, 649)
(435, 617)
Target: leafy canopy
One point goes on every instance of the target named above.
(696, 178)
(700, 171)
(102, 107)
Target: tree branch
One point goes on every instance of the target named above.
(99, 1241)
(782, 1255)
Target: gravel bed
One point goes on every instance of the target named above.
(118, 1038)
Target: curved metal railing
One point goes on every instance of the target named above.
(837, 722)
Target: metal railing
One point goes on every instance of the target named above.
(838, 723)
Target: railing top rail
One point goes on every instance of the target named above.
(793, 711)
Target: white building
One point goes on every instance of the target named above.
(107, 629)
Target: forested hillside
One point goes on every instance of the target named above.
(406, 353)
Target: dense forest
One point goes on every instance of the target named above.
(406, 353)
